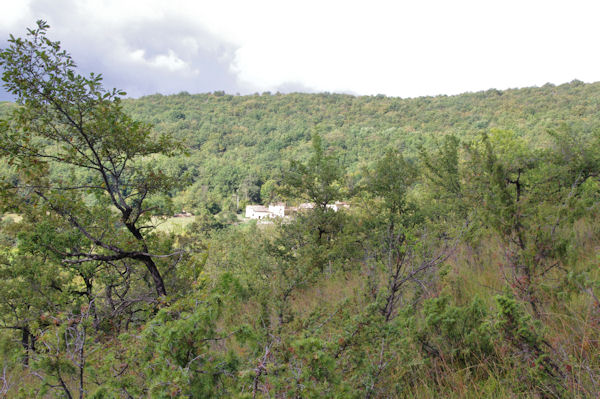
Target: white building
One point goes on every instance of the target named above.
(306, 205)
(281, 210)
(277, 210)
(257, 212)
(338, 205)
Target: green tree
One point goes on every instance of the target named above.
(531, 197)
(318, 180)
(442, 171)
(80, 155)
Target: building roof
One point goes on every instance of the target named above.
(258, 208)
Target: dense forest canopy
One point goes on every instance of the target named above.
(238, 143)
(235, 144)
(464, 265)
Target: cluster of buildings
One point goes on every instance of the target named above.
(183, 214)
(281, 210)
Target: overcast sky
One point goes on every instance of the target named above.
(398, 48)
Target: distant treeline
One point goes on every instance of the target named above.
(237, 144)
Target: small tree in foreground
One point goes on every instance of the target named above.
(81, 157)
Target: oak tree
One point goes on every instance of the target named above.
(81, 156)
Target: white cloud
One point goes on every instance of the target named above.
(425, 47)
(168, 61)
(12, 12)
(403, 48)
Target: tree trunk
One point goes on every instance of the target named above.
(158, 281)
(28, 343)
(147, 260)
(25, 343)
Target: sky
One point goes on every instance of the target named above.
(396, 48)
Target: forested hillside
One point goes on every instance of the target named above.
(465, 266)
(237, 144)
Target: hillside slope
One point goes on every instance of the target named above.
(237, 143)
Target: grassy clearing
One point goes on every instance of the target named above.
(173, 224)
(16, 218)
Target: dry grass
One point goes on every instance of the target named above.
(16, 218)
(172, 224)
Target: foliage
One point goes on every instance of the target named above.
(465, 265)
(80, 155)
